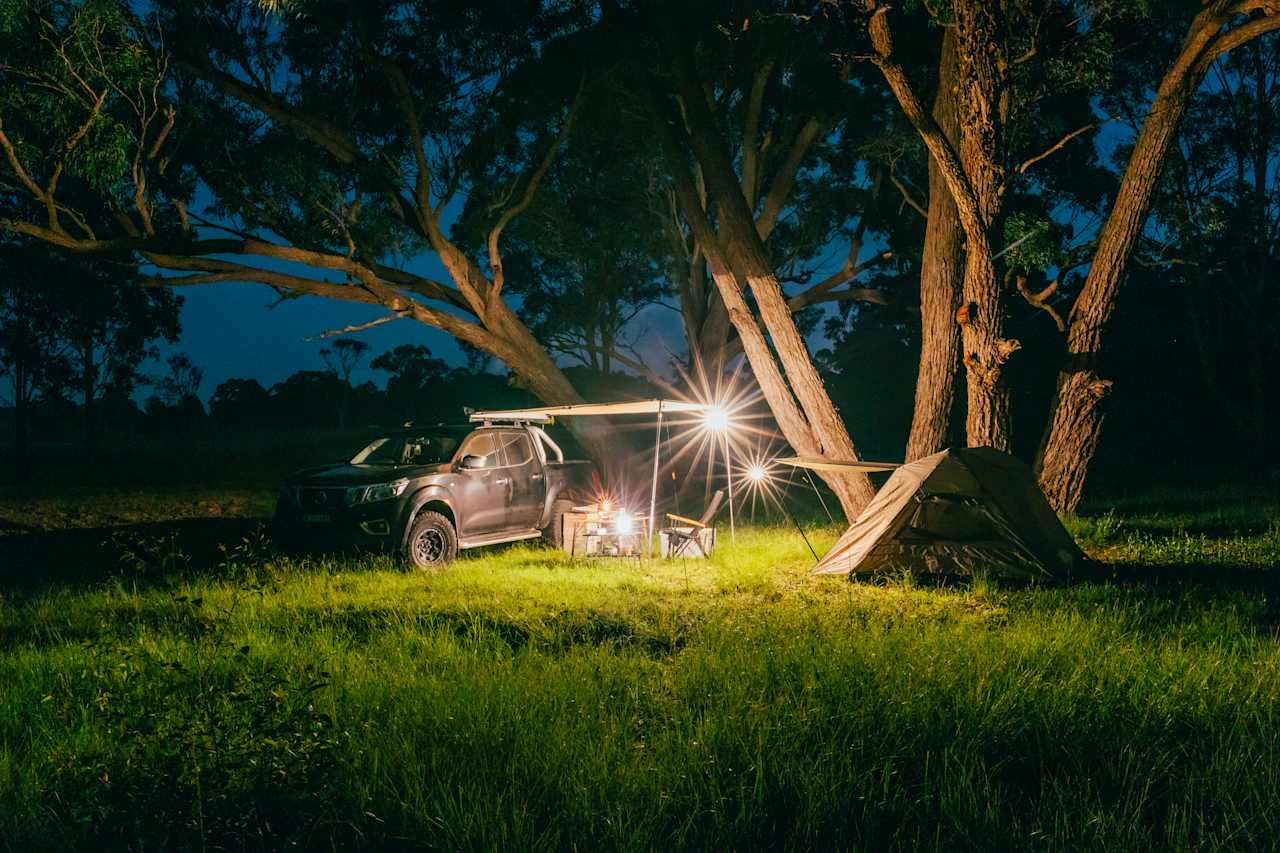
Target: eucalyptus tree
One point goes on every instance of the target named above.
(589, 257)
(76, 329)
(746, 103)
(342, 358)
(1217, 236)
(977, 172)
(317, 151)
(32, 359)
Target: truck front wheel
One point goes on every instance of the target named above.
(432, 542)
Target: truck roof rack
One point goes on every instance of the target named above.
(490, 418)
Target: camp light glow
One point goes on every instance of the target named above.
(757, 474)
(716, 419)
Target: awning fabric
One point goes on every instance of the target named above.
(629, 407)
(819, 464)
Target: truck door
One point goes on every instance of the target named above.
(482, 490)
(528, 484)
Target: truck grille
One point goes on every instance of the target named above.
(313, 498)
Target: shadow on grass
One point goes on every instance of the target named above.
(1217, 577)
(33, 560)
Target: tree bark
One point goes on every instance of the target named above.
(1076, 417)
(815, 422)
(975, 180)
(939, 282)
(983, 94)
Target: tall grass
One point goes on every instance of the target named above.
(524, 700)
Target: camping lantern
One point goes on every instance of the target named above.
(600, 530)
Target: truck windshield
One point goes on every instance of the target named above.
(408, 449)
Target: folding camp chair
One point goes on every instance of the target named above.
(686, 537)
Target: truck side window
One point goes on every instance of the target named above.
(482, 444)
(519, 450)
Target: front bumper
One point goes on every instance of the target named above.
(375, 526)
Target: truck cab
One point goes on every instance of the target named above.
(429, 492)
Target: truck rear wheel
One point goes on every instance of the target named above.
(553, 533)
(432, 542)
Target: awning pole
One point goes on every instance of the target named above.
(728, 470)
(653, 487)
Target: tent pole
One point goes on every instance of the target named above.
(653, 486)
(728, 471)
(783, 506)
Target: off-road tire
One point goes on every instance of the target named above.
(432, 542)
(553, 533)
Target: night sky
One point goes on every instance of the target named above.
(230, 330)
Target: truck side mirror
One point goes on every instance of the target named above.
(471, 462)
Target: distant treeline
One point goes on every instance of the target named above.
(418, 388)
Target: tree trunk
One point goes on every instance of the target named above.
(89, 385)
(21, 405)
(1076, 417)
(983, 94)
(814, 424)
(975, 178)
(939, 282)
(533, 365)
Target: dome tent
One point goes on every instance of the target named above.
(960, 512)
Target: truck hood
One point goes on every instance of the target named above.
(346, 474)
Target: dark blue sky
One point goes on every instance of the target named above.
(231, 330)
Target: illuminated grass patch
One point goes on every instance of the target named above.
(524, 700)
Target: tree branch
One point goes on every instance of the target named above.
(1037, 300)
(358, 327)
(635, 364)
(1057, 146)
(1231, 39)
(751, 133)
(319, 130)
(11, 154)
(944, 154)
(906, 194)
(531, 187)
(852, 294)
(780, 188)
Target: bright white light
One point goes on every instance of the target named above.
(716, 419)
(606, 505)
(756, 473)
(625, 522)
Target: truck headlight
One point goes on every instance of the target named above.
(380, 492)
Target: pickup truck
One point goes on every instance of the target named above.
(430, 491)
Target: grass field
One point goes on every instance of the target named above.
(158, 699)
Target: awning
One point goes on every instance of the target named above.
(629, 407)
(817, 463)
